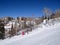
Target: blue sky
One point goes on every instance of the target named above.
(26, 8)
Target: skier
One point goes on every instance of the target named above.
(23, 33)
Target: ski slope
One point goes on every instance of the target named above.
(45, 35)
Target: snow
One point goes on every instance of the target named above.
(43, 35)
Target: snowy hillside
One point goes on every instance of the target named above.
(43, 35)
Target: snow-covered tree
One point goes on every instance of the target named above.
(47, 13)
(57, 13)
